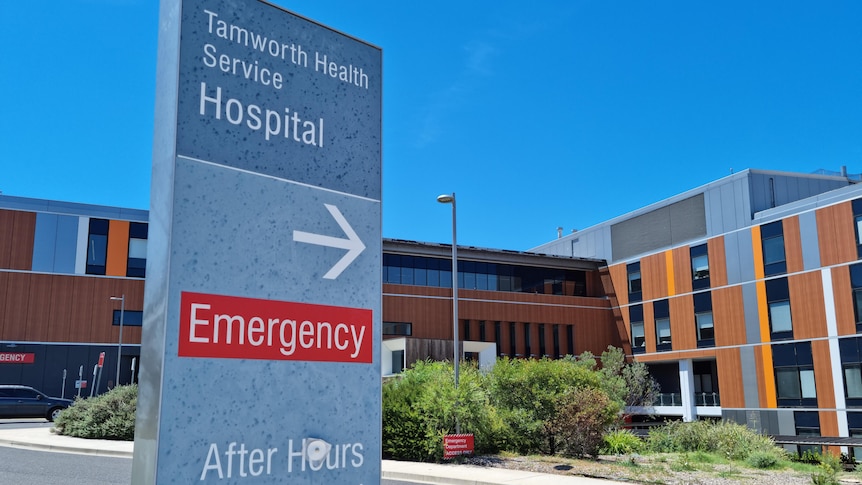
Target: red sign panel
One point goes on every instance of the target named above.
(17, 358)
(101, 359)
(457, 444)
(231, 327)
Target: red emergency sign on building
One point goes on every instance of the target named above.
(231, 327)
(17, 358)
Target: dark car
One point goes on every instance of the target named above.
(26, 402)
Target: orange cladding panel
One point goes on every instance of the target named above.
(792, 244)
(842, 292)
(806, 305)
(730, 378)
(682, 328)
(836, 234)
(654, 276)
(728, 316)
(717, 262)
(118, 248)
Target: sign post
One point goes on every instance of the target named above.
(262, 322)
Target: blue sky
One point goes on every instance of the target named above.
(537, 115)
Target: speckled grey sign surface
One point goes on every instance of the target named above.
(229, 197)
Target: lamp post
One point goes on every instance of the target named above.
(122, 300)
(450, 199)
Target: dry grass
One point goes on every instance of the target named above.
(664, 468)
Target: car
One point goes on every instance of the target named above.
(26, 402)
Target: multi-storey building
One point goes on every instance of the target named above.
(743, 296)
(62, 263)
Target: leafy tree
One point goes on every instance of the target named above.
(422, 405)
(584, 416)
(530, 392)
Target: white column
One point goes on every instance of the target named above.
(835, 354)
(686, 386)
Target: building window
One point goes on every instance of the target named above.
(794, 375)
(397, 361)
(482, 330)
(661, 310)
(857, 216)
(633, 272)
(854, 422)
(851, 363)
(398, 328)
(556, 332)
(853, 381)
(131, 318)
(136, 266)
(699, 267)
(512, 347)
(97, 246)
(704, 325)
(466, 325)
(807, 424)
(778, 303)
(402, 269)
(542, 349)
(636, 317)
(772, 239)
(528, 348)
(498, 338)
(570, 339)
(856, 284)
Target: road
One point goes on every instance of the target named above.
(47, 468)
(50, 468)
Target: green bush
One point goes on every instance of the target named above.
(109, 416)
(763, 460)
(422, 406)
(621, 442)
(731, 440)
(531, 391)
(520, 405)
(584, 416)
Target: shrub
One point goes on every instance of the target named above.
(621, 442)
(532, 390)
(422, 405)
(763, 459)
(732, 440)
(108, 416)
(583, 417)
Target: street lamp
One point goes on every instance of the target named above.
(122, 300)
(450, 199)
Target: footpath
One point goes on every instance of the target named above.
(41, 438)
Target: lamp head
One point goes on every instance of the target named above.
(446, 198)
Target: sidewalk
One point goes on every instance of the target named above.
(43, 439)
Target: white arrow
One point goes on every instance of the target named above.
(352, 244)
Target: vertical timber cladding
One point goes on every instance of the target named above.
(263, 304)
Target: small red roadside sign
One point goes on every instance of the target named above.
(101, 359)
(457, 444)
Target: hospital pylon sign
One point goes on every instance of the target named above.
(262, 310)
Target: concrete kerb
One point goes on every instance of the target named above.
(42, 438)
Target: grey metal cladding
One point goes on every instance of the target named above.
(810, 240)
(770, 190)
(669, 225)
(749, 379)
(44, 242)
(752, 317)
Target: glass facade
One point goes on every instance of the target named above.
(472, 275)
